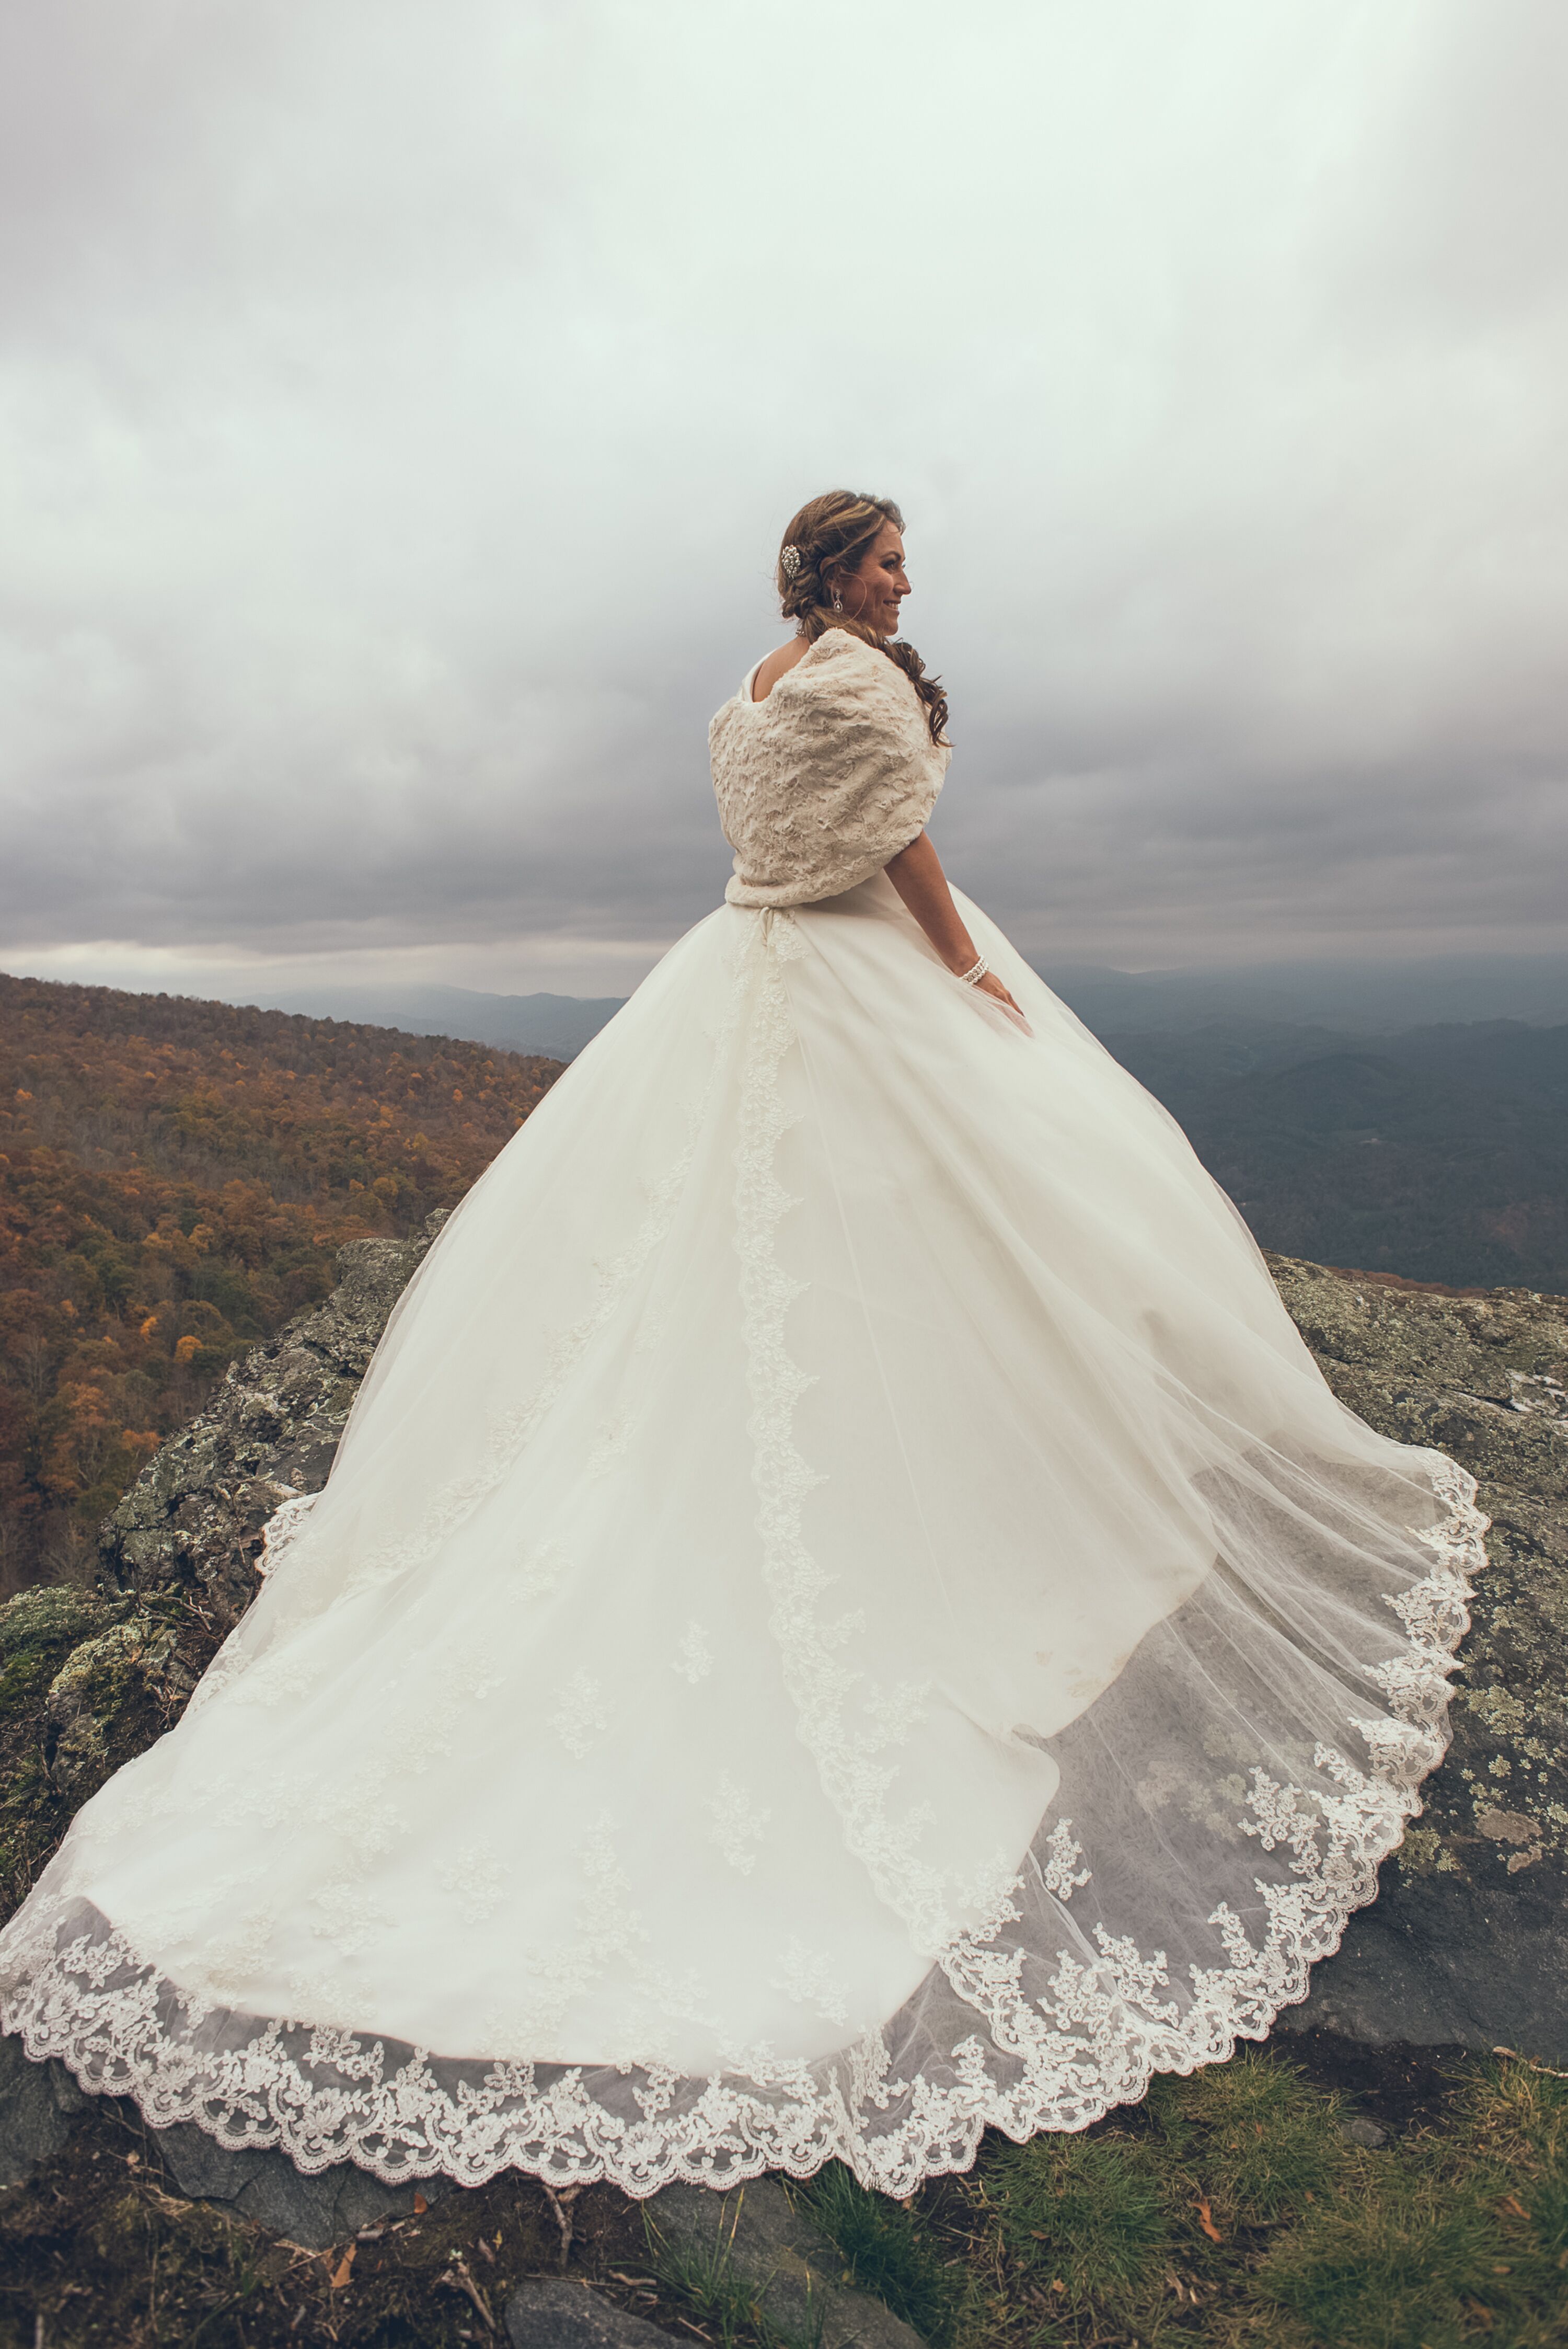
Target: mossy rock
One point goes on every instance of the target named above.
(106, 1703)
(39, 1630)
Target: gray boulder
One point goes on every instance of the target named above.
(130, 1665)
(38, 2103)
(548, 2315)
(264, 2184)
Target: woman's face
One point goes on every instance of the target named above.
(878, 583)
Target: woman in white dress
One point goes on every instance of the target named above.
(845, 1612)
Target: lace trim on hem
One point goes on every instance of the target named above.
(1094, 2042)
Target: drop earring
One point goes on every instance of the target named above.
(838, 601)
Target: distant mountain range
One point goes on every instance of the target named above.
(1352, 998)
(1357, 999)
(1439, 1154)
(556, 1025)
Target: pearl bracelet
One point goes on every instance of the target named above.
(972, 977)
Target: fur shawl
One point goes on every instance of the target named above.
(818, 785)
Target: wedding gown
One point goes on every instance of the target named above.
(845, 1613)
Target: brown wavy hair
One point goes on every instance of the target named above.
(832, 533)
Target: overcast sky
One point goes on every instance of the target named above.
(400, 405)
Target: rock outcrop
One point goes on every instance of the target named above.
(1465, 1944)
(546, 2314)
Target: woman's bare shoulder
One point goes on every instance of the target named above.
(777, 665)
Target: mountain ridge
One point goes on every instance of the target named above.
(1356, 997)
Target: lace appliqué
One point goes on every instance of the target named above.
(807, 1977)
(1057, 1868)
(694, 1656)
(476, 1880)
(347, 1919)
(580, 1719)
(283, 1527)
(236, 1956)
(540, 1571)
(738, 1824)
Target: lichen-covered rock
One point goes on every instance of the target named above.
(38, 1630)
(1467, 1941)
(120, 1681)
(195, 1515)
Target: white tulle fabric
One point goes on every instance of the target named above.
(845, 1613)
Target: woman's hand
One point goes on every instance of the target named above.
(916, 874)
(992, 986)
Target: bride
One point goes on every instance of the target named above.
(844, 1614)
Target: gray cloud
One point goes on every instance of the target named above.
(398, 409)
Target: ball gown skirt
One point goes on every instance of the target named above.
(845, 1613)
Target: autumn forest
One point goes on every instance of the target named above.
(175, 1178)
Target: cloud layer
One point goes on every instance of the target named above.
(400, 408)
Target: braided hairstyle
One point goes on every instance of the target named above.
(829, 535)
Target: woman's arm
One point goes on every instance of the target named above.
(916, 874)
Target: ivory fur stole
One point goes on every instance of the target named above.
(825, 779)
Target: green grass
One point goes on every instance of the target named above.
(1087, 2213)
(1406, 2266)
(886, 2252)
(1257, 2137)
